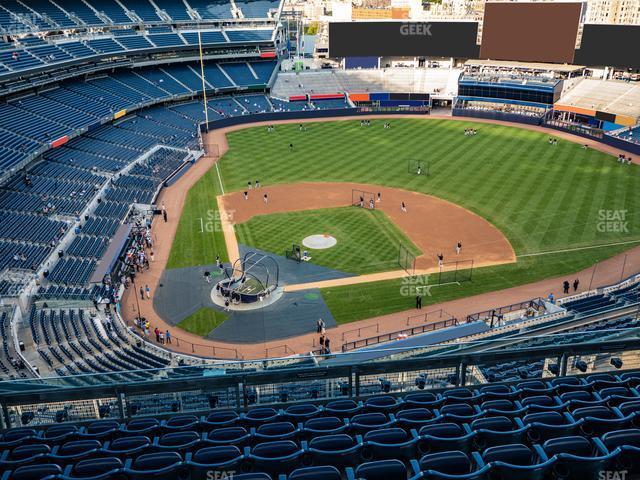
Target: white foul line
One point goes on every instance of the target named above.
(219, 178)
(577, 249)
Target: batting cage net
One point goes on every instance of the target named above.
(363, 199)
(418, 167)
(406, 260)
(455, 272)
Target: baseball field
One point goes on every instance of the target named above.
(562, 207)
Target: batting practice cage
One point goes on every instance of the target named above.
(363, 199)
(406, 260)
(418, 167)
(455, 272)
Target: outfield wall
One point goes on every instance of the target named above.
(303, 115)
(457, 112)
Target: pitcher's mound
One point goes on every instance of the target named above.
(319, 242)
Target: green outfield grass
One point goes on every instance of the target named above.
(544, 198)
(199, 237)
(203, 321)
(367, 240)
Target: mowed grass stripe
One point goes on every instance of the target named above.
(368, 241)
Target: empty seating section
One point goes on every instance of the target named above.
(112, 10)
(82, 11)
(256, 8)
(330, 104)
(184, 74)
(456, 434)
(264, 70)
(45, 107)
(283, 106)
(240, 73)
(50, 53)
(255, 103)
(18, 9)
(166, 40)
(77, 49)
(104, 45)
(72, 271)
(216, 78)
(249, 35)
(31, 122)
(207, 37)
(19, 60)
(53, 14)
(103, 227)
(163, 80)
(611, 96)
(22, 256)
(135, 42)
(74, 341)
(88, 247)
(211, 9)
(144, 10)
(176, 10)
(226, 107)
(631, 134)
(30, 228)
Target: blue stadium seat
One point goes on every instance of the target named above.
(127, 447)
(517, 461)
(221, 459)
(491, 431)
(445, 436)
(389, 443)
(94, 469)
(452, 465)
(628, 444)
(75, 450)
(314, 473)
(23, 455)
(546, 425)
(273, 431)
(343, 408)
(302, 412)
(32, 472)
(320, 426)
(275, 457)
(338, 450)
(237, 436)
(414, 418)
(578, 457)
(163, 465)
(380, 470)
(364, 422)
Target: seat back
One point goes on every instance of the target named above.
(449, 463)
(381, 470)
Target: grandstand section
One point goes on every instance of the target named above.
(619, 101)
(405, 80)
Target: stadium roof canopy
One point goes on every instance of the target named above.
(550, 67)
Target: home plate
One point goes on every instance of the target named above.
(319, 242)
